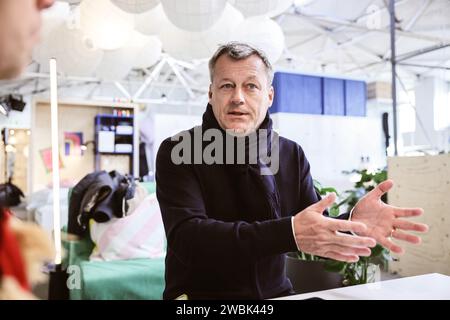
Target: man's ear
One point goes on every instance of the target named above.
(210, 93)
(271, 95)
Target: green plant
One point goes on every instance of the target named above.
(355, 272)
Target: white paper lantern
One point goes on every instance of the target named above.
(52, 19)
(140, 51)
(136, 6)
(263, 33)
(193, 15)
(75, 56)
(116, 64)
(151, 22)
(185, 45)
(147, 49)
(149, 54)
(268, 8)
(106, 25)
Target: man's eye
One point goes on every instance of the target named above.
(227, 86)
(252, 86)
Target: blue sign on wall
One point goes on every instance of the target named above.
(297, 93)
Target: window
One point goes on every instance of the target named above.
(442, 110)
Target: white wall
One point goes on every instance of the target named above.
(333, 144)
(167, 125)
(433, 110)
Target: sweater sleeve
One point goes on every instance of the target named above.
(194, 237)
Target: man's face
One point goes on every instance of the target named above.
(240, 93)
(20, 23)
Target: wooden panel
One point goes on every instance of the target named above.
(424, 182)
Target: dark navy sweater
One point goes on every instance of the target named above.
(221, 244)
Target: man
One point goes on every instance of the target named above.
(20, 23)
(228, 225)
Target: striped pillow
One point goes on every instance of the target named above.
(138, 235)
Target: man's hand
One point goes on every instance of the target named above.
(318, 235)
(383, 221)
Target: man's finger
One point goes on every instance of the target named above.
(388, 244)
(410, 226)
(381, 189)
(397, 234)
(346, 250)
(323, 204)
(408, 212)
(345, 225)
(352, 241)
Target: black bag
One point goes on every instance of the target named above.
(100, 196)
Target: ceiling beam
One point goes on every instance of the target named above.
(411, 22)
(442, 67)
(422, 51)
(330, 36)
(353, 25)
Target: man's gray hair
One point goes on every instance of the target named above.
(240, 51)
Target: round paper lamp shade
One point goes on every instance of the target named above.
(147, 49)
(75, 55)
(135, 6)
(151, 22)
(263, 33)
(116, 64)
(107, 26)
(52, 19)
(185, 45)
(149, 54)
(193, 15)
(140, 51)
(269, 8)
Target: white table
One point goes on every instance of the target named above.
(433, 286)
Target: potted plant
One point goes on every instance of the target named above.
(311, 273)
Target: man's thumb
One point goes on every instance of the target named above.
(326, 202)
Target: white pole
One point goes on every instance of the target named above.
(55, 159)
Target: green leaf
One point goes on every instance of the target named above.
(376, 251)
(334, 211)
(317, 186)
(334, 266)
(328, 190)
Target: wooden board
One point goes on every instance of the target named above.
(424, 182)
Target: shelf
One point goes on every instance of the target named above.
(112, 153)
(118, 141)
(114, 116)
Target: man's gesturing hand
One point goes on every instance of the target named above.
(318, 235)
(384, 221)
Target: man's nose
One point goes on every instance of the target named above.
(44, 4)
(238, 97)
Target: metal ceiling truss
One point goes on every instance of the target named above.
(175, 69)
